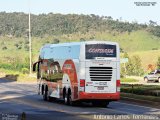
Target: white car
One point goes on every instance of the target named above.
(153, 76)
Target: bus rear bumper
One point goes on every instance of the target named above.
(99, 96)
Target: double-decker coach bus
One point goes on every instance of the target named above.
(80, 71)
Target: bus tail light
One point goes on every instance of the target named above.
(82, 84)
(118, 84)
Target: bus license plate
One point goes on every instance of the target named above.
(100, 88)
(102, 83)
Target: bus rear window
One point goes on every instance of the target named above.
(100, 50)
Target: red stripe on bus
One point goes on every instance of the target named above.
(107, 96)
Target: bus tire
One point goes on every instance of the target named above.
(39, 89)
(42, 90)
(69, 98)
(45, 95)
(65, 98)
(50, 99)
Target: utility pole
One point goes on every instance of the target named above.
(30, 42)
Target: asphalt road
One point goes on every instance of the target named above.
(17, 98)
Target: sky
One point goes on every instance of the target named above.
(125, 10)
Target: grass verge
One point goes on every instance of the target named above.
(128, 80)
(139, 89)
(141, 98)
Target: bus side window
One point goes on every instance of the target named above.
(55, 69)
(51, 69)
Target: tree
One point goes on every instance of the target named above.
(124, 68)
(152, 23)
(4, 48)
(158, 63)
(155, 30)
(133, 66)
(16, 24)
(137, 66)
(56, 41)
(82, 39)
(26, 47)
(121, 50)
(16, 44)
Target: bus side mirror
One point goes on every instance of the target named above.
(34, 66)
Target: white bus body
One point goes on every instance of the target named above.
(80, 71)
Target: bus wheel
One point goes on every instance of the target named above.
(69, 99)
(45, 95)
(64, 95)
(65, 99)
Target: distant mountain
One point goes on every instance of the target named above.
(16, 24)
(133, 38)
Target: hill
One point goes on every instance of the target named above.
(16, 24)
(133, 38)
(147, 57)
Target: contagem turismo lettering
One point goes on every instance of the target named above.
(94, 50)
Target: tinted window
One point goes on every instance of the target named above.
(100, 50)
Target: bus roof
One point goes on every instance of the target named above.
(78, 43)
(67, 50)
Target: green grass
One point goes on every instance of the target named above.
(128, 80)
(135, 43)
(141, 97)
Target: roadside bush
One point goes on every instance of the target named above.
(122, 72)
(158, 63)
(19, 47)
(82, 39)
(56, 41)
(16, 44)
(154, 48)
(26, 42)
(15, 66)
(133, 66)
(4, 48)
(26, 47)
(25, 70)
